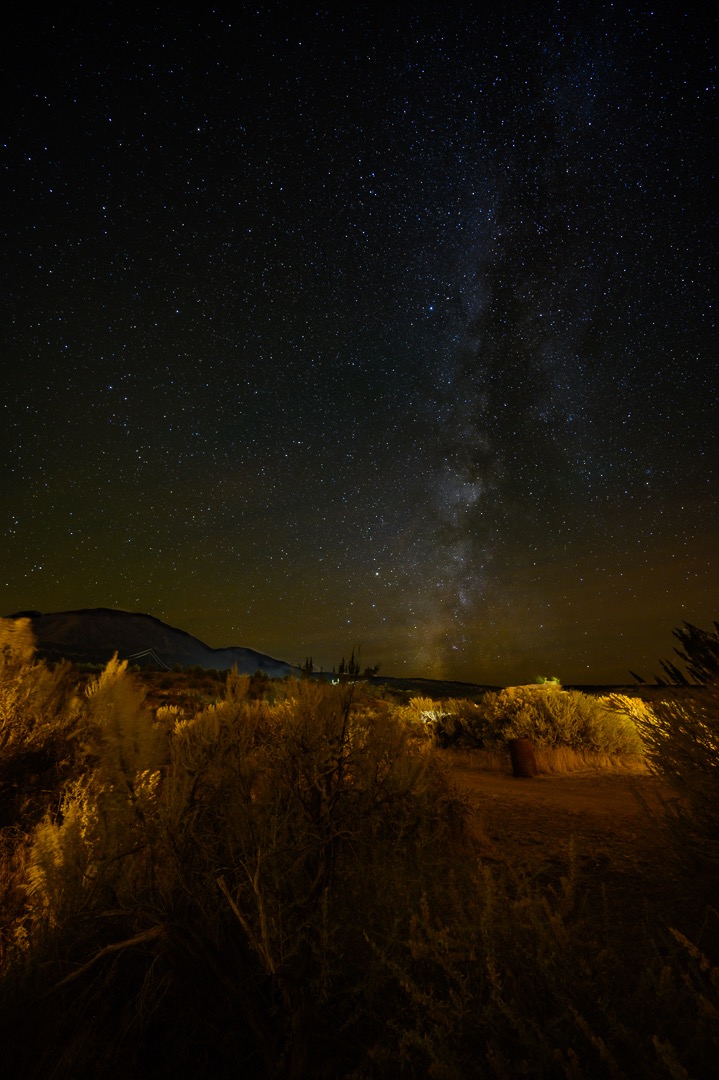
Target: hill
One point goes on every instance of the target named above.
(92, 635)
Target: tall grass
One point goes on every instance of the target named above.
(550, 761)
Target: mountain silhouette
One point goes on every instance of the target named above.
(93, 635)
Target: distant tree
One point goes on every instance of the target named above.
(307, 668)
(350, 668)
(371, 671)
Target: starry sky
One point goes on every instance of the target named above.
(330, 329)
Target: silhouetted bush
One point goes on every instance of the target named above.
(498, 979)
(682, 746)
(682, 742)
(699, 653)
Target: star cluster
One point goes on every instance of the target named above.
(332, 329)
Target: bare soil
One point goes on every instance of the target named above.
(609, 825)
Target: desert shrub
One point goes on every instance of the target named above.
(94, 852)
(605, 728)
(418, 711)
(456, 723)
(423, 717)
(287, 889)
(304, 827)
(682, 746)
(553, 717)
(467, 724)
(496, 978)
(635, 709)
(250, 855)
(40, 720)
(621, 720)
(443, 968)
(682, 739)
(39, 717)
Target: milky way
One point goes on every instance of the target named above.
(331, 330)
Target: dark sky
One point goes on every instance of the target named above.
(329, 329)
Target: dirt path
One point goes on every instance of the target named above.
(608, 823)
(610, 794)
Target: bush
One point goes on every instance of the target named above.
(39, 718)
(288, 889)
(682, 740)
(229, 878)
(699, 653)
(545, 713)
(497, 979)
(682, 746)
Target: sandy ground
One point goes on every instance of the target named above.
(609, 824)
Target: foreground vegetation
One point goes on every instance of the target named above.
(288, 887)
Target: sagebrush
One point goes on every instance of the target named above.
(289, 888)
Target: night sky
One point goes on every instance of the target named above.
(393, 331)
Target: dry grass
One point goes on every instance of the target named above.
(565, 759)
(551, 760)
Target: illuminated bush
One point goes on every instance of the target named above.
(252, 852)
(545, 713)
(81, 855)
(39, 716)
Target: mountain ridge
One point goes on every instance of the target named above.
(93, 635)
